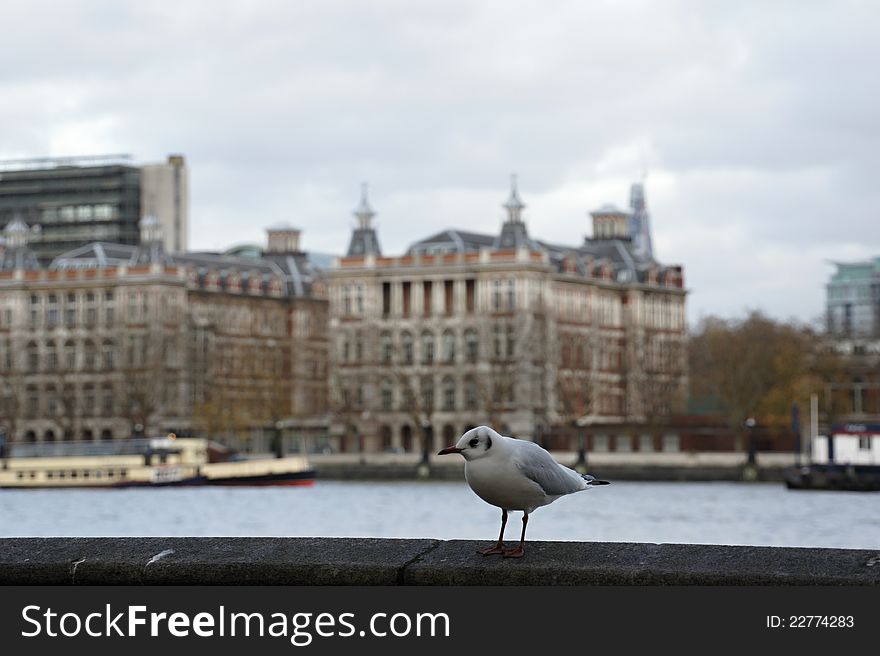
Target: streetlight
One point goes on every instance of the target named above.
(750, 425)
(581, 464)
(424, 468)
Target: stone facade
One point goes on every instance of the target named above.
(114, 340)
(524, 335)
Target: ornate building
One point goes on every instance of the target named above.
(112, 340)
(504, 329)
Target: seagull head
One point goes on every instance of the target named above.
(476, 443)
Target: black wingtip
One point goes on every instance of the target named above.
(596, 482)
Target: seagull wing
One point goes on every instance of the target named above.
(538, 465)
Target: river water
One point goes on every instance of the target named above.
(707, 513)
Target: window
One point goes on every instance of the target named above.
(51, 356)
(406, 343)
(448, 346)
(646, 442)
(106, 402)
(472, 344)
(448, 297)
(427, 348)
(386, 299)
(386, 395)
(406, 298)
(497, 340)
(386, 347)
(33, 357)
(427, 293)
(448, 393)
(471, 396)
(427, 388)
(470, 295)
(600, 443)
(623, 443)
(109, 359)
(69, 355)
(864, 443)
(671, 443)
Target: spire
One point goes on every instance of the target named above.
(514, 205)
(640, 221)
(364, 212)
(364, 240)
(513, 231)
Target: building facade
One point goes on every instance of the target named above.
(113, 340)
(528, 336)
(853, 300)
(70, 202)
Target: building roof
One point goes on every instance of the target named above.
(452, 241)
(296, 271)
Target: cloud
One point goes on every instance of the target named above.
(757, 128)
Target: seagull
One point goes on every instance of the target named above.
(514, 475)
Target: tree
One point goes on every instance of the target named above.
(757, 367)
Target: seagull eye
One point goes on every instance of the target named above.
(474, 442)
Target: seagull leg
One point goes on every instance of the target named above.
(517, 551)
(497, 548)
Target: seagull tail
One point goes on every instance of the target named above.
(592, 480)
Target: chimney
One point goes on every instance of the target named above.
(283, 239)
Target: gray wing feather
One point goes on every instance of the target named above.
(538, 465)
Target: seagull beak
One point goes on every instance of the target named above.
(448, 450)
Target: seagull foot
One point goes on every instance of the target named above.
(494, 549)
(516, 552)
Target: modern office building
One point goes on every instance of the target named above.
(853, 299)
(72, 201)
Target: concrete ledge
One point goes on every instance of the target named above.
(356, 561)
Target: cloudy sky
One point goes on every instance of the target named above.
(756, 122)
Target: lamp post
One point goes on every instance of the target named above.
(750, 425)
(581, 464)
(424, 468)
(277, 440)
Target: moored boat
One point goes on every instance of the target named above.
(846, 459)
(154, 462)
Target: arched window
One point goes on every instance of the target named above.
(106, 434)
(406, 438)
(427, 347)
(49, 436)
(448, 346)
(472, 344)
(406, 347)
(385, 436)
(448, 393)
(30, 436)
